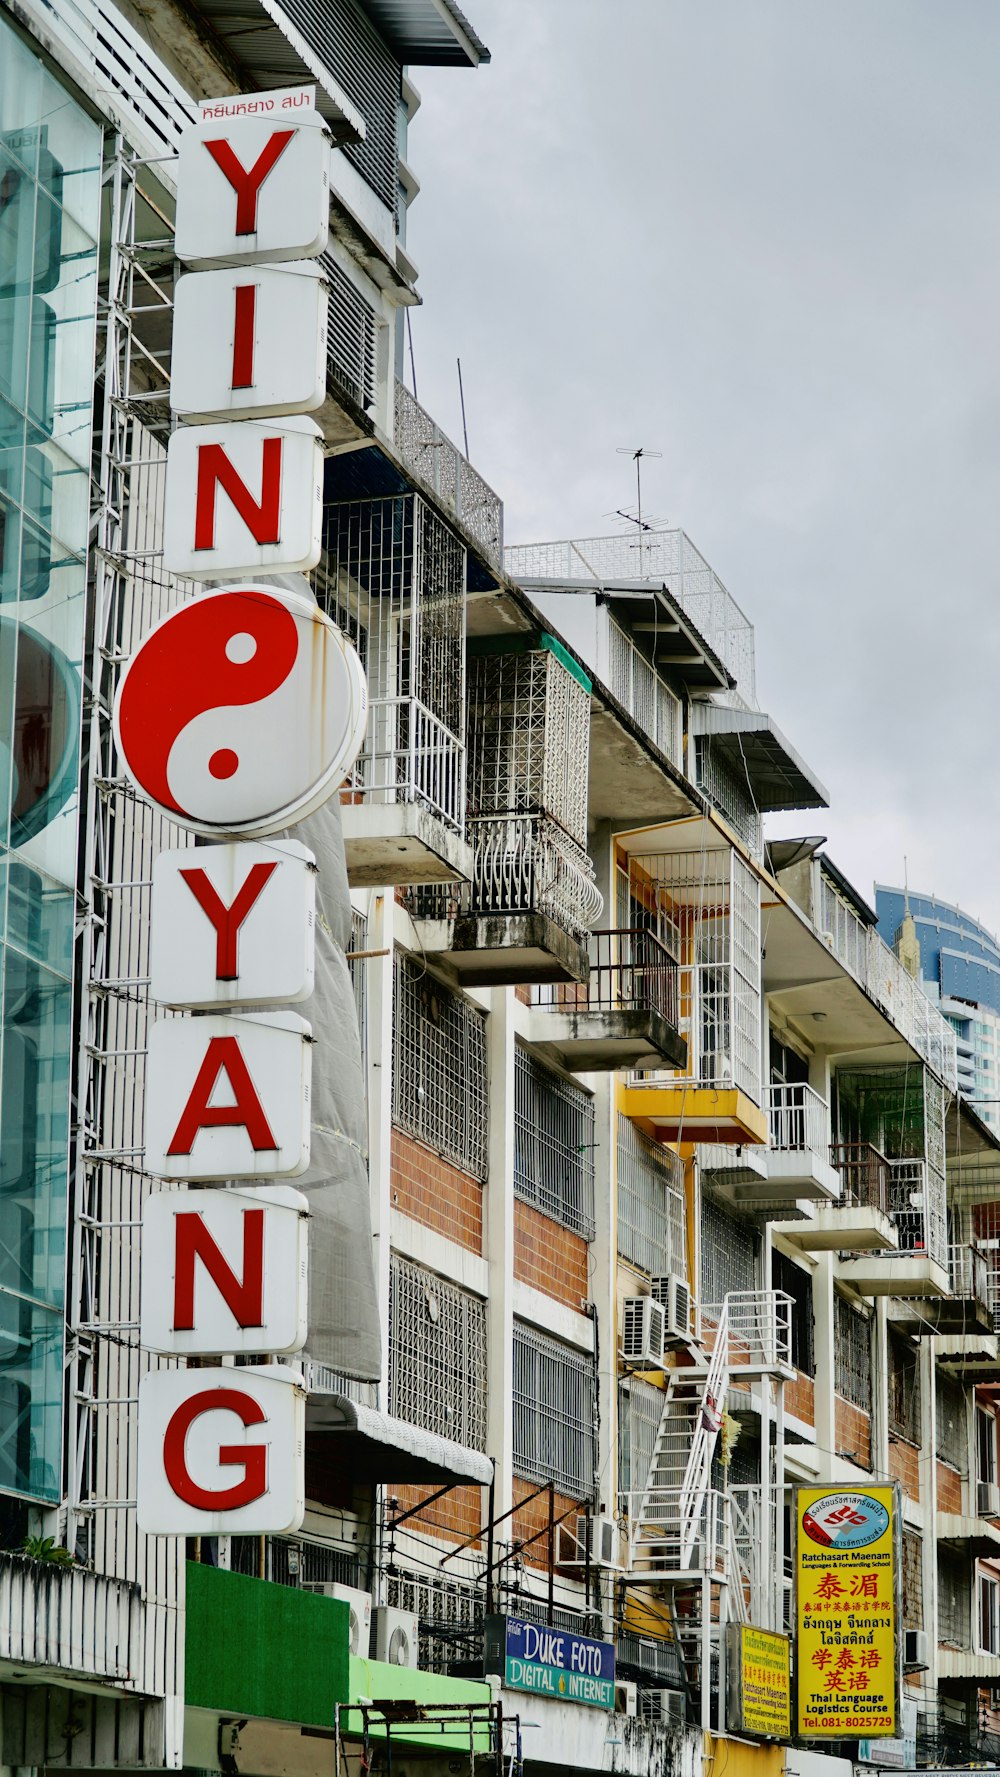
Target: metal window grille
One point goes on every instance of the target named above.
(797, 1283)
(555, 1408)
(639, 688)
(451, 1616)
(316, 1561)
(901, 1112)
(904, 1388)
(528, 739)
(430, 454)
(362, 64)
(352, 336)
(705, 906)
(553, 1145)
(729, 791)
(439, 1084)
(437, 1354)
(913, 1580)
(358, 968)
(640, 1409)
(651, 1213)
(848, 935)
(730, 1254)
(527, 864)
(393, 578)
(954, 1575)
(852, 1354)
(951, 1429)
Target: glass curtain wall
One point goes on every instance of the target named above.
(50, 184)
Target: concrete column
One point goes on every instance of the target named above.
(927, 1459)
(499, 1230)
(381, 921)
(880, 1389)
(825, 1355)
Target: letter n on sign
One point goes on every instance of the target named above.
(225, 1272)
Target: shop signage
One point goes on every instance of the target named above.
(759, 1681)
(551, 1662)
(847, 1614)
(240, 713)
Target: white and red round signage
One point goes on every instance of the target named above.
(241, 712)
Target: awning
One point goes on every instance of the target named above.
(428, 33)
(978, 1534)
(757, 751)
(372, 1446)
(261, 37)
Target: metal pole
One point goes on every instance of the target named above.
(552, 1552)
(489, 1548)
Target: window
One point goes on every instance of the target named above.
(729, 1254)
(555, 1411)
(439, 1068)
(640, 1409)
(904, 1389)
(553, 1145)
(437, 1354)
(852, 1354)
(954, 1599)
(793, 1281)
(987, 1625)
(651, 1217)
(986, 1461)
(913, 1580)
(951, 1429)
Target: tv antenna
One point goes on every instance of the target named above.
(637, 456)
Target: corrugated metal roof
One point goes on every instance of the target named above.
(428, 33)
(262, 38)
(382, 1448)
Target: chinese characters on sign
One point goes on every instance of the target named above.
(847, 1569)
(760, 1682)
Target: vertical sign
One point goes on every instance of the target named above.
(759, 1680)
(847, 1578)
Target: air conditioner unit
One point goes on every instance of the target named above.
(396, 1636)
(916, 1651)
(674, 1296)
(987, 1499)
(600, 1537)
(626, 1697)
(361, 1611)
(668, 1706)
(643, 1331)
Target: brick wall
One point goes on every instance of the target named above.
(458, 1514)
(436, 1193)
(853, 1432)
(904, 1465)
(949, 1488)
(800, 1398)
(534, 1517)
(550, 1257)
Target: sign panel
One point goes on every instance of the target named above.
(551, 1662)
(221, 1451)
(233, 925)
(282, 99)
(253, 188)
(228, 1097)
(249, 342)
(243, 498)
(847, 1578)
(241, 712)
(225, 1272)
(760, 1682)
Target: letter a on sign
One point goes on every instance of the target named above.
(243, 498)
(253, 189)
(233, 925)
(225, 1272)
(221, 1450)
(228, 1097)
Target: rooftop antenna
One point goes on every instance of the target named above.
(906, 887)
(461, 394)
(637, 455)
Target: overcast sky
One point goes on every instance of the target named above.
(762, 237)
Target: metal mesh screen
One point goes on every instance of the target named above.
(437, 1354)
(555, 1407)
(852, 1354)
(951, 1427)
(651, 1214)
(553, 1145)
(451, 1616)
(640, 1409)
(528, 739)
(900, 1111)
(439, 1082)
(913, 1580)
(729, 1253)
(639, 688)
(729, 792)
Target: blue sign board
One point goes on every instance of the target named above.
(551, 1662)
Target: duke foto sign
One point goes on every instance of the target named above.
(552, 1662)
(239, 714)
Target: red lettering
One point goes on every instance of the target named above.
(252, 1458)
(223, 1056)
(260, 517)
(244, 1296)
(228, 921)
(244, 322)
(247, 182)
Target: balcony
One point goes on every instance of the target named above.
(858, 1221)
(798, 1162)
(967, 1310)
(429, 454)
(624, 1015)
(919, 1266)
(68, 1621)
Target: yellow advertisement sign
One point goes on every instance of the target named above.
(760, 1682)
(846, 1580)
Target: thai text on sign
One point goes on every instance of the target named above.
(847, 1569)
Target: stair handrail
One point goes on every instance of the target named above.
(698, 1472)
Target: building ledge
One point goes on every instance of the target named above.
(588, 1042)
(795, 1173)
(43, 1608)
(963, 1663)
(843, 1227)
(974, 1356)
(389, 843)
(494, 949)
(978, 1535)
(895, 1274)
(684, 1112)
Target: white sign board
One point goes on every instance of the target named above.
(276, 103)
(253, 188)
(244, 498)
(225, 1272)
(221, 1452)
(249, 342)
(233, 925)
(241, 712)
(228, 1097)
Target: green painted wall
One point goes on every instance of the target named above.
(253, 1648)
(374, 1680)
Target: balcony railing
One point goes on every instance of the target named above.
(799, 1119)
(410, 756)
(430, 453)
(658, 1543)
(969, 1274)
(760, 1328)
(70, 1619)
(864, 1175)
(917, 1208)
(526, 864)
(630, 971)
